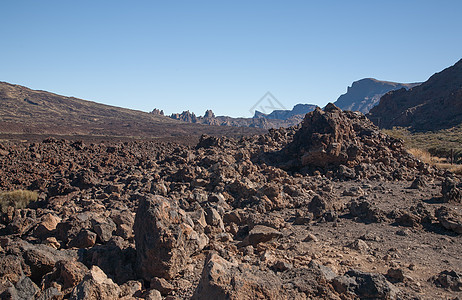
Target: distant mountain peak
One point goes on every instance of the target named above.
(365, 93)
(259, 114)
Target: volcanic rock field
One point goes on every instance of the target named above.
(329, 209)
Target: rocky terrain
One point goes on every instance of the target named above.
(433, 105)
(281, 114)
(28, 112)
(364, 94)
(209, 118)
(329, 209)
(276, 119)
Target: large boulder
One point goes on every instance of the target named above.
(260, 234)
(11, 268)
(222, 279)
(42, 259)
(103, 227)
(84, 179)
(449, 280)
(46, 226)
(70, 227)
(96, 285)
(66, 273)
(365, 285)
(164, 237)
(26, 288)
(116, 261)
(450, 191)
(449, 219)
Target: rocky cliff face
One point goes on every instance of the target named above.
(365, 94)
(299, 109)
(435, 104)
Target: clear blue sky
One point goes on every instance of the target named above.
(222, 55)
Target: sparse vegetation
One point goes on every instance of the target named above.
(434, 147)
(439, 162)
(17, 199)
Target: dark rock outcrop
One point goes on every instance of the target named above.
(449, 280)
(158, 112)
(365, 285)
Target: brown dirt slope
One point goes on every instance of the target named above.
(26, 111)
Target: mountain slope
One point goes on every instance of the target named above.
(365, 94)
(433, 105)
(26, 111)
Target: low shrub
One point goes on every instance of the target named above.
(16, 199)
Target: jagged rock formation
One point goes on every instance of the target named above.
(433, 105)
(158, 112)
(366, 93)
(299, 110)
(209, 114)
(185, 116)
(209, 118)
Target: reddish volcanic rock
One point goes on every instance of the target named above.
(165, 238)
(342, 142)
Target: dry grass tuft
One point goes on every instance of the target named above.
(17, 199)
(456, 169)
(426, 156)
(441, 163)
(421, 154)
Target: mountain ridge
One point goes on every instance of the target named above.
(284, 114)
(435, 104)
(365, 93)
